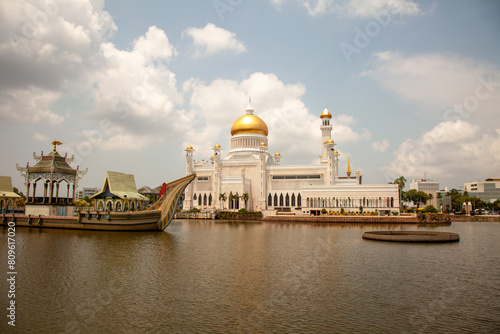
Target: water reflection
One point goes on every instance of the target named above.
(238, 277)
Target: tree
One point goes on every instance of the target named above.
(400, 181)
(417, 197)
(245, 198)
(20, 193)
(222, 198)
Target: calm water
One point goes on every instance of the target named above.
(233, 277)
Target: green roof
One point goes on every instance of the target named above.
(6, 187)
(52, 162)
(120, 185)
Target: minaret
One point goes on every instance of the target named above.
(277, 158)
(326, 133)
(188, 193)
(217, 180)
(262, 185)
(330, 157)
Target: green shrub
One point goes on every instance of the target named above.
(430, 209)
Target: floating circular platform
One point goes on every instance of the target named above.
(412, 236)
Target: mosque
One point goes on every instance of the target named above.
(250, 177)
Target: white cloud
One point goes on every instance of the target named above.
(155, 45)
(30, 105)
(46, 48)
(457, 149)
(357, 8)
(40, 137)
(211, 39)
(439, 82)
(138, 93)
(380, 146)
(293, 130)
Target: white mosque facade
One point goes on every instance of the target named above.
(250, 177)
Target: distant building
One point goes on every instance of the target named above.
(488, 190)
(427, 186)
(7, 195)
(88, 192)
(119, 193)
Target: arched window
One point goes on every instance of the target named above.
(194, 197)
(275, 200)
(281, 200)
(293, 199)
(205, 200)
(287, 200)
(109, 206)
(269, 200)
(210, 200)
(299, 200)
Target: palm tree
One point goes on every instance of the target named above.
(222, 198)
(400, 181)
(245, 197)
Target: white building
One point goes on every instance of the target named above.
(429, 187)
(249, 170)
(488, 191)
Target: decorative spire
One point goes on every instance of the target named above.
(55, 143)
(249, 108)
(348, 167)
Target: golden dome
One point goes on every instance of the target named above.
(262, 144)
(336, 152)
(277, 155)
(249, 123)
(329, 141)
(217, 146)
(189, 147)
(325, 114)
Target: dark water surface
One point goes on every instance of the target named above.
(233, 277)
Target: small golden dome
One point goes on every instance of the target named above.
(330, 141)
(189, 147)
(217, 146)
(336, 152)
(325, 114)
(357, 172)
(249, 123)
(212, 157)
(277, 155)
(262, 144)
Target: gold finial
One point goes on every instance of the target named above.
(348, 166)
(55, 143)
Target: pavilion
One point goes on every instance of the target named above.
(7, 195)
(119, 193)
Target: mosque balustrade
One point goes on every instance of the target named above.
(350, 202)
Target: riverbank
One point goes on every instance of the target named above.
(460, 218)
(427, 219)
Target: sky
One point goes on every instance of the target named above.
(126, 86)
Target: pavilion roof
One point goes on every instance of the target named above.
(120, 185)
(6, 187)
(52, 162)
